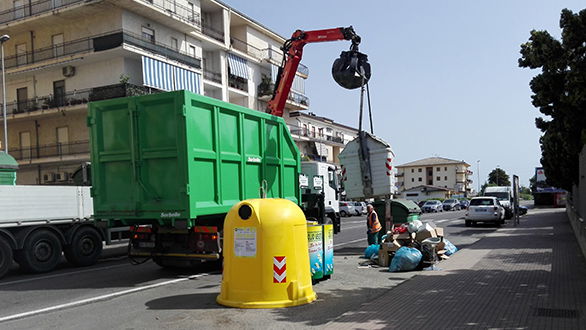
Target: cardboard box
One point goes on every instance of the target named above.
(391, 246)
(440, 246)
(383, 258)
(439, 232)
(425, 233)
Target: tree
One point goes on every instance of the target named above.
(559, 92)
(498, 177)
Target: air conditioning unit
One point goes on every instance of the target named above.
(61, 176)
(48, 177)
(68, 71)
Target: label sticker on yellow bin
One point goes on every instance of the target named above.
(245, 242)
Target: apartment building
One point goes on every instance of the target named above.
(319, 138)
(435, 172)
(63, 54)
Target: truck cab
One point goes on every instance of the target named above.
(504, 194)
(321, 178)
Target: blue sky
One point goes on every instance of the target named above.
(445, 80)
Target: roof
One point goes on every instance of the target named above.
(431, 161)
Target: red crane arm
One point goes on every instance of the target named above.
(292, 52)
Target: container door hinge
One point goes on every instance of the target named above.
(184, 111)
(90, 121)
(187, 191)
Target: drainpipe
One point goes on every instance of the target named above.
(32, 33)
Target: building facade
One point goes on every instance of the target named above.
(319, 138)
(435, 171)
(63, 54)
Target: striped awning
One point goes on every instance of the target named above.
(168, 77)
(238, 66)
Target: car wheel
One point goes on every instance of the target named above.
(468, 223)
(344, 213)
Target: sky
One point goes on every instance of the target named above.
(445, 77)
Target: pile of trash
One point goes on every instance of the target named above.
(412, 246)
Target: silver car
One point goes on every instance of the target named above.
(359, 208)
(432, 206)
(347, 209)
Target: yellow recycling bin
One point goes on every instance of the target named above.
(266, 259)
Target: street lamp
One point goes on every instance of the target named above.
(3, 39)
(498, 167)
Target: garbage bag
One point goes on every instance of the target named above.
(450, 248)
(371, 250)
(414, 226)
(405, 259)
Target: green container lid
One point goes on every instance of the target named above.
(7, 162)
(412, 217)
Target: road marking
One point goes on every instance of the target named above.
(350, 242)
(96, 299)
(62, 274)
(363, 226)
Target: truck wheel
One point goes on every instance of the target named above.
(5, 257)
(85, 248)
(468, 223)
(41, 252)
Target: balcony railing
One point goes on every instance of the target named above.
(34, 8)
(99, 43)
(238, 83)
(176, 10)
(298, 98)
(212, 76)
(51, 150)
(276, 57)
(211, 32)
(76, 97)
(315, 135)
(244, 47)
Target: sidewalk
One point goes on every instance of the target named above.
(529, 276)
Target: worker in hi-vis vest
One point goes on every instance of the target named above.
(374, 226)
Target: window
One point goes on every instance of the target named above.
(438, 169)
(419, 170)
(19, 8)
(305, 129)
(63, 140)
(190, 12)
(321, 132)
(420, 179)
(191, 51)
(438, 178)
(446, 178)
(148, 34)
(412, 170)
(25, 144)
(57, 41)
(174, 43)
(412, 179)
(21, 99)
(445, 168)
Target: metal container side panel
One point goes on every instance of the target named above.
(138, 157)
(42, 203)
(232, 152)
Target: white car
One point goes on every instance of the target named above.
(485, 209)
(359, 208)
(347, 209)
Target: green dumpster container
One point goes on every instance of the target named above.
(402, 210)
(8, 167)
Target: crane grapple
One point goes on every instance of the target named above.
(351, 70)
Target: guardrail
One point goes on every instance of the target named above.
(51, 150)
(34, 8)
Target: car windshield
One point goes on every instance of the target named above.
(448, 201)
(431, 202)
(482, 201)
(357, 204)
(502, 196)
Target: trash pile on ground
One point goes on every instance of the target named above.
(412, 246)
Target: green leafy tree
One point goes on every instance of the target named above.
(559, 92)
(498, 177)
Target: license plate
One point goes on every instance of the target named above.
(146, 244)
(480, 210)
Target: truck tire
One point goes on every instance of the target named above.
(85, 247)
(41, 252)
(5, 257)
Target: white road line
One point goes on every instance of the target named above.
(350, 242)
(63, 274)
(95, 299)
(362, 226)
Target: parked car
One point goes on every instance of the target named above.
(522, 210)
(347, 209)
(451, 205)
(464, 203)
(485, 209)
(359, 208)
(420, 203)
(432, 206)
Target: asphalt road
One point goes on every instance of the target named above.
(115, 294)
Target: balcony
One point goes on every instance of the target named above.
(173, 9)
(99, 43)
(212, 76)
(246, 48)
(213, 33)
(276, 57)
(35, 8)
(315, 136)
(238, 83)
(298, 98)
(76, 97)
(58, 150)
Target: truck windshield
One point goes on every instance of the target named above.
(502, 196)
